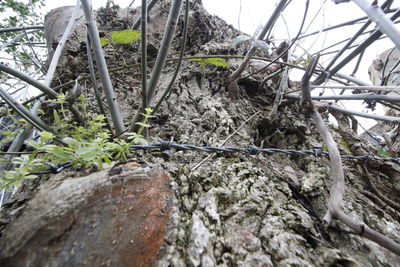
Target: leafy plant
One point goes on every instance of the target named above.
(27, 164)
(83, 147)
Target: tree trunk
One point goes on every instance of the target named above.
(164, 207)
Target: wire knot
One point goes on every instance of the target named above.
(166, 145)
(57, 167)
(367, 157)
(318, 152)
(396, 160)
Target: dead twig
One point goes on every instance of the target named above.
(233, 87)
(388, 201)
(335, 209)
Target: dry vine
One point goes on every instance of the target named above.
(335, 205)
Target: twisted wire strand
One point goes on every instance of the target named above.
(252, 150)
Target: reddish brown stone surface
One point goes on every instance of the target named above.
(116, 217)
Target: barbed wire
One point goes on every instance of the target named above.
(252, 150)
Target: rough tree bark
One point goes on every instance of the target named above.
(232, 210)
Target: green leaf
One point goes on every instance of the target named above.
(383, 153)
(202, 62)
(131, 135)
(56, 117)
(90, 155)
(84, 150)
(148, 110)
(325, 148)
(141, 124)
(344, 143)
(217, 61)
(34, 144)
(106, 159)
(139, 141)
(70, 141)
(47, 148)
(61, 154)
(104, 41)
(125, 37)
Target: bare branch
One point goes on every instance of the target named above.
(356, 87)
(103, 70)
(372, 38)
(172, 21)
(305, 84)
(94, 82)
(388, 98)
(385, 25)
(350, 112)
(42, 87)
(283, 49)
(24, 113)
(143, 62)
(16, 38)
(353, 38)
(15, 29)
(236, 74)
(165, 45)
(182, 52)
(57, 54)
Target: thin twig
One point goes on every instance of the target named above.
(287, 48)
(388, 98)
(103, 70)
(161, 57)
(372, 38)
(164, 48)
(182, 52)
(42, 87)
(15, 29)
(357, 87)
(352, 39)
(278, 9)
(143, 62)
(16, 38)
(390, 202)
(385, 25)
(25, 113)
(349, 112)
(94, 82)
